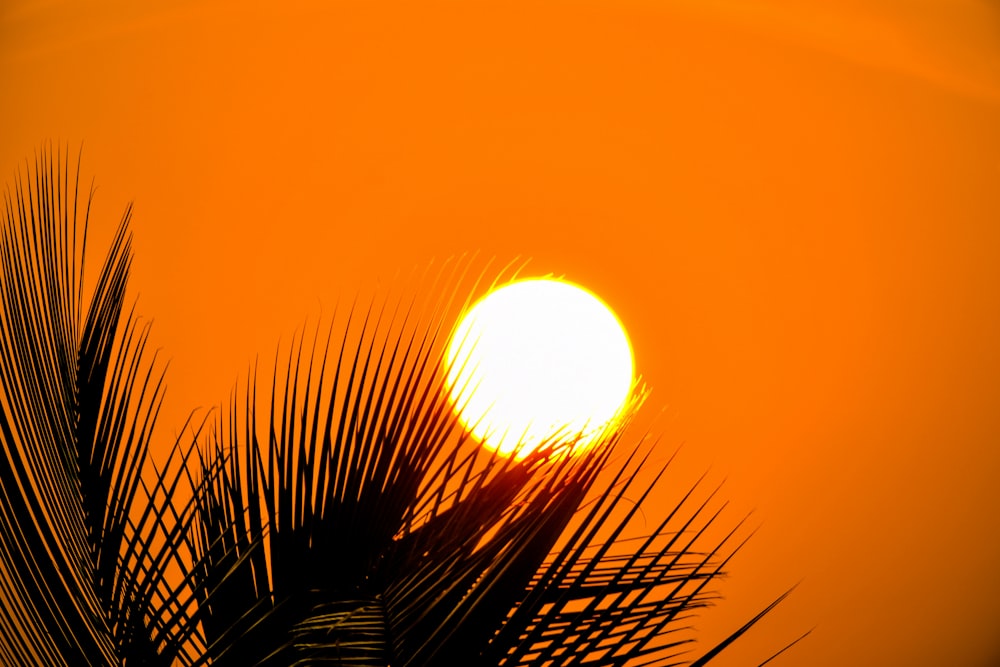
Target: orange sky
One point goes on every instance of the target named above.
(795, 212)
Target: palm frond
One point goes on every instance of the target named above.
(78, 400)
(348, 518)
(335, 512)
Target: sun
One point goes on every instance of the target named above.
(535, 361)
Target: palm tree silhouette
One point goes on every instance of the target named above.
(343, 517)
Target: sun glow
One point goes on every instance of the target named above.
(538, 361)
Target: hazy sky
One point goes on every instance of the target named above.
(793, 210)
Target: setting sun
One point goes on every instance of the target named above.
(537, 360)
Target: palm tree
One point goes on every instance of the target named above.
(342, 517)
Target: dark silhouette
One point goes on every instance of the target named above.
(341, 518)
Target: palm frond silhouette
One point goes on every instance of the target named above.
(334, 512)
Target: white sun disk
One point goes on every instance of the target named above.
(535, 361)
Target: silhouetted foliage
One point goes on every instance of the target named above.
(342, 517)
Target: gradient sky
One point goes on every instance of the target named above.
(796, 213)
